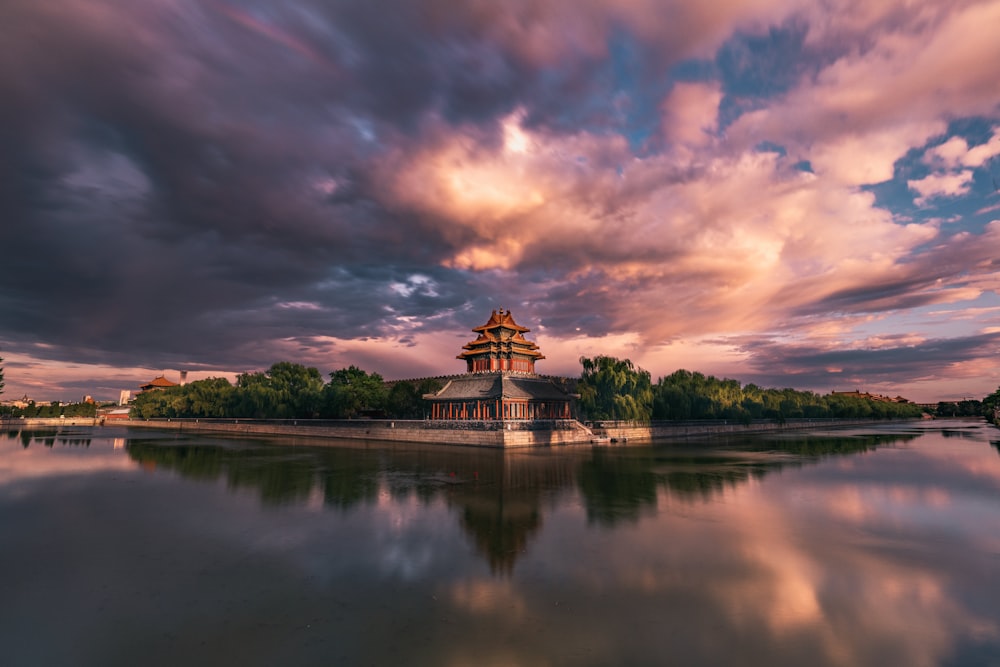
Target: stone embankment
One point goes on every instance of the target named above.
(499, 434)
(626, 431)
(47, 422)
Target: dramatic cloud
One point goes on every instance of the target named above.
(216, 185)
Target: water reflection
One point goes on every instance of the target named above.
(862, 547)
(49, 438)
(498, 494)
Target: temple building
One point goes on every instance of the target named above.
(501, 346)
(157, 384)
(500, 382)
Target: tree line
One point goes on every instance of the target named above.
(289, 391)
(609, 389)
(615, 389)
(52, 410)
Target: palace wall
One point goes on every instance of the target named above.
(496, 434)
(453, 432)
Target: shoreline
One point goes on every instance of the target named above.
(510, 434)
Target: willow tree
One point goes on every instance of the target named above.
(991, 405)
(612, 388)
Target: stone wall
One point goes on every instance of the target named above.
(497, 434)
(626, 431)
(35, 422)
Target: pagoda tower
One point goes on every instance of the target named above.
(500, 382)
(501, 346)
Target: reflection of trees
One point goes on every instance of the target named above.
(694, 479)
(819, 446)
(347, 485)
(617, 484)
(279, 475)
(279, 480)
(47, 438)
(498, 495)
(966, 434)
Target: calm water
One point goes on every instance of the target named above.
(854, 547)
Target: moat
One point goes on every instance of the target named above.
(867, 545)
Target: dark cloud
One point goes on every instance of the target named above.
(211, 183)
(780, 364)
(179, 176)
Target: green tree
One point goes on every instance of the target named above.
(991, 406)
(212, 397)
(352, 391)
(612, 388)
(284, 391)
(405, 399)
(158, 404)
(80, 410)
(298, 390)
(255, 398)
(1, 376)
(946, 409)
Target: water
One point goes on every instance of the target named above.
(876, 546)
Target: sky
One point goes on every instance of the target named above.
(787, 192)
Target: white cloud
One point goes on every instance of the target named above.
(942, 185)
(979, 155)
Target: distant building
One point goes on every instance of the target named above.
(500, 382)
(857, 393)
(114, 414)
(157, 384)
(19, 403)
(124, 397)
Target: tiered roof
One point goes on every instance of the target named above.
(158, 383)
(497, 385)
(501, 335)
(500, 382)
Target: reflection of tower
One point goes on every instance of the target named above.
(501, 527)
(501, 510)
(124, 397)
(184, 377)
